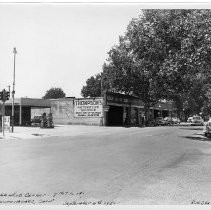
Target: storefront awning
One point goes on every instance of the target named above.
(30, 102)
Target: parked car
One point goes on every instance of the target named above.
(207, 129)
(169, 120)
(197, 120)
(160, 121)
(176, 120)
(190, 119)
(36, 120)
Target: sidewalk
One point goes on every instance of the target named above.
(23, 133)
(59, 130)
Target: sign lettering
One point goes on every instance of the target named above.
(88, 108)
(6, 123)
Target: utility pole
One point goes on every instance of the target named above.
(13, 91)
(101, 85)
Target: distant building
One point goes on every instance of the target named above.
(23, 107)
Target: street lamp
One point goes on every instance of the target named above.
(13, 91)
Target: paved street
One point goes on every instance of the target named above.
(107, 165)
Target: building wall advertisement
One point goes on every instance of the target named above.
(88, 108)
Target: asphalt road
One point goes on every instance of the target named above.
(158, 165)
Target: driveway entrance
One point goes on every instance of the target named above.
(115, 116)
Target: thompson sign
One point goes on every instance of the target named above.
(88, 108)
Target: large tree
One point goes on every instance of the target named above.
(206, 109)
(170, 52)
(54, 93)
(134, 65)
(186, 68)
(164, 54)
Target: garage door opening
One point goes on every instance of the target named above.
(115, 116)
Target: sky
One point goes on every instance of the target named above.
(58, 45)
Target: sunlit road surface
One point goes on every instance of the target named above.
(158, 165)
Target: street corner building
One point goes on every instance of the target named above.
(113, 109)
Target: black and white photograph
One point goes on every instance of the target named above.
(105, 104)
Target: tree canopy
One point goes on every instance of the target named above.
(54, 93)
(164, 54)
(93, 87)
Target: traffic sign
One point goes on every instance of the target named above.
(6, 123)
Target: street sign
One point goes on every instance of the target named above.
(6, 123)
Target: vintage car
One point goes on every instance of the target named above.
(36, 120)
(197, 120)
(189, 119)
(159, 121)
(207, 129)
(176, 120)
(169, 120)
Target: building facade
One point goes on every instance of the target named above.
(113, 109)
(23, 108)
(129, 110)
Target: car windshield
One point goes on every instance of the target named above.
(197, 118)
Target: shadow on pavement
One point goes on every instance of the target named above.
(200, 137)
(38, 134)
(192, 128)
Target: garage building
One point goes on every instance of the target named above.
(23, 108)
(113, 109)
